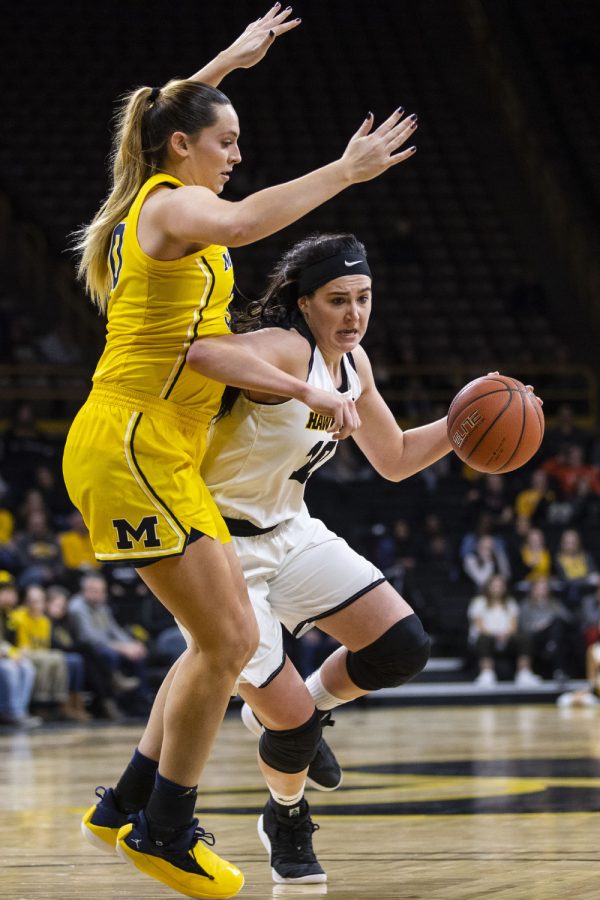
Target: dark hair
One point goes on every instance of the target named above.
(278, 306)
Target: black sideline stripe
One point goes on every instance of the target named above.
(195, 334)
(340, 606)
(148, 485)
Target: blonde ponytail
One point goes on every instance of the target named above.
(129, 172)
(147, 119)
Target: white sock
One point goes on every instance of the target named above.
(285, 800)
(323, 699)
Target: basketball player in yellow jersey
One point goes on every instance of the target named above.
(134, 450)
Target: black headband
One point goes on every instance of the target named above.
(319, 273)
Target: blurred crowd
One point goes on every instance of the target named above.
(503, 570)
(77, 640)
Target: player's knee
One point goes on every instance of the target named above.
(232, 642)
(293, 750)
(393, 659)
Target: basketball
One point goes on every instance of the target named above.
(495, 424)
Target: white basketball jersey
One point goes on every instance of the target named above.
(260, 455)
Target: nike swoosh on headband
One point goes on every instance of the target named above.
(352, 263)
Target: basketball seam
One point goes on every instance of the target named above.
(492, 423)
(518, 444)
(506, 389)
(540, 418)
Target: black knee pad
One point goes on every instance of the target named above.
(293, 750)
(393, 659)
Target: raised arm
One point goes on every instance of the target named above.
(394, 453)
(195, 215)
(249, 48)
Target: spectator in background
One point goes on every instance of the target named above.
(32, 500)
(569, 466)
(62, 638)
(532, 503)
(493, 632)
(76, 549)
(60, 346)
(8, 552)
(7, 520)
(17, 672)
(490, 497)
(23, 447)
(590, 695)
(488, 559)
(574, 567)
(534, 559)
(32, 628)
(583, 505)
(543, 623)
(563, 432)
(483, 526)
(38, 550)
(53, 491)
(120, 657)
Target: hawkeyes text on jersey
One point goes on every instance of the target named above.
(260, 455)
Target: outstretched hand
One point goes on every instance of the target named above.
(255, 40)
(370, 153)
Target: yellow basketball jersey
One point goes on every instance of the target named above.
(157, 309)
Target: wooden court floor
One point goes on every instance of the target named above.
(437, 804)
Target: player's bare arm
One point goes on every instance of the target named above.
(395, 454)
(250, 47)
(232, 359)
(195, 216)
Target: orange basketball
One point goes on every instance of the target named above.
(495, 424)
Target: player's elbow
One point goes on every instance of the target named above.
(200, 355)
(242, 230)
(390, 471)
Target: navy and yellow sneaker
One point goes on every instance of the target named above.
(185, 864)
(100, 825)
(324, 772)
(289, 844)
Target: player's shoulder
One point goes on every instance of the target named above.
(361, 364)
(283, 347)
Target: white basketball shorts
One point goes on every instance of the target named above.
(297, 574)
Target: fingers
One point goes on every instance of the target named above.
(276, 21)
(531, 390)
(349, 421)
(401, 157)
(391, 121)
(364, 128)
(400, 133)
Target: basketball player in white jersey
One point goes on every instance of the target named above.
(261, 452)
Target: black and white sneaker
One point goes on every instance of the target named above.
(288, 840)
(324, 772)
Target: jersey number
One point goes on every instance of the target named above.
(316, 457)
(115, 256)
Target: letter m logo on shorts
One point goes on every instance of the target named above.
(146, 530)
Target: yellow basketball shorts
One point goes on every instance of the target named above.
(131, 466)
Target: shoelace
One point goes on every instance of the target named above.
(326, 719)
(99, 795)
(200, 834)
(301, 831)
